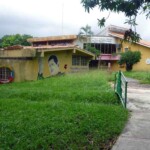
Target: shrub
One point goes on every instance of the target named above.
(130, 58)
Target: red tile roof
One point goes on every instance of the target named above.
(141, 42)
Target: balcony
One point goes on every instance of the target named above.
(109, 57)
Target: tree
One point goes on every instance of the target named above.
(92, 49)
(24, 40)
(86, 31)
(17, 39)
(131, 8)
(130, 58)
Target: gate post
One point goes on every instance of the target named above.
(126, 84)
(119, 89)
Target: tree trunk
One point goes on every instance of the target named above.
(129, 67)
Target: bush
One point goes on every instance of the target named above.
(130, 58)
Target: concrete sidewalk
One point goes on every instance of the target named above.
(136, 134)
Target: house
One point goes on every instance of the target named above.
(110, 43)
(56, 55)
(47, 56)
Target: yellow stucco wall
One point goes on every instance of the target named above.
(64, 58)
(18, 53)
(115, 66)
(22, 62)
(24, 70)
(27, 68)
(145, 54)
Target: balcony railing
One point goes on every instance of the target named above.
(109, 57)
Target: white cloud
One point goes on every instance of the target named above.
(44, 18)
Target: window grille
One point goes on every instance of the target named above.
(75, 60)
(83, 61)
(79, 60)
(5, 73)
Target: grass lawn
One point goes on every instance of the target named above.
(74, 112)
(143, 76)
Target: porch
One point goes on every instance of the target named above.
(104, 61)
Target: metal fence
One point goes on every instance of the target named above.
(120, 87)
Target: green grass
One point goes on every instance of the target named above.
(75, 111)
(111, 76)
(143, 76)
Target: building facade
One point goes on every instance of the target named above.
(110, 44)
(56, 55)
(46, 57)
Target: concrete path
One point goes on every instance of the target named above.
(136, 135)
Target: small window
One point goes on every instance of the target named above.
(126, 49)
(6, 75)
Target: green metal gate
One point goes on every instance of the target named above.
(120, 87)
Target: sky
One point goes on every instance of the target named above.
(41, 18)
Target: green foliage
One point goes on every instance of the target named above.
(92, 49)
(130, 8)
(130, 58)
(146, 8)
(17, 39)
(132, 36)
(78, 111)
(86, 87)
(85, 31)
(111, 76)
(101, 22)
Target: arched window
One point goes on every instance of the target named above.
(6, 75)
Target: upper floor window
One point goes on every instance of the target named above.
(118, 47)
(104, 48)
